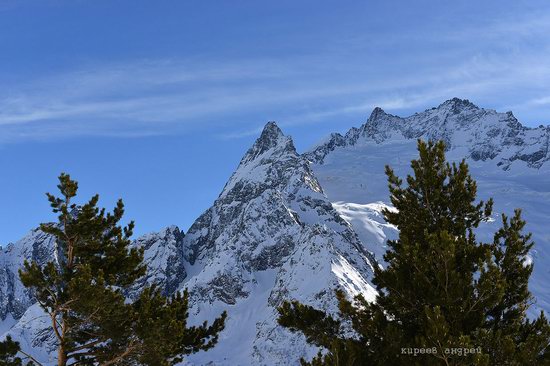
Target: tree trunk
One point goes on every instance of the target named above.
(61, 356)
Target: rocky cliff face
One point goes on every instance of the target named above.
(35, 246)
(165, 259)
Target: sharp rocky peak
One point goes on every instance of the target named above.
(273, 141)
(271, 132)
(267, 163)
(377, 112)
(458, 104)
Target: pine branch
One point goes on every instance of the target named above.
(55, 324)
(131, 348)
(31, 357)
(85, 346)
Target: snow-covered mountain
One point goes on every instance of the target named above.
(297, 226)
(509, 161)
(35, 246)
(472, 132)
(271, 235)
(24, 319)
(164, 258)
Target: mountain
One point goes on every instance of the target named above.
(297, 226)
(14, 298)
(271, 235)
(479, 134)
(165, 259)
(509, 161)
(25, 320)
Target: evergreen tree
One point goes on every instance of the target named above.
(85, 293)
(444, 298)
(8, 353)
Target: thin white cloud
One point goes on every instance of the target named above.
(539, 101)
(162, 96)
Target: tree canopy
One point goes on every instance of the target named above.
(84, 291)
(444, 298)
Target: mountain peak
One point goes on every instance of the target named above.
(376, 113)
(271, 129)
(458, 104)
(271, 151)
(271, 138)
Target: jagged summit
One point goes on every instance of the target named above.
(375, 112)
(272, 141)
(270, 131)
(458, 104)
(264, 163)
(483, 134)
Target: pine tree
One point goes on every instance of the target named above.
(8, 353)
(512, 339)
(444, 298)
(85, 293)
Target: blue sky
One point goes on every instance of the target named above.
(156, 101)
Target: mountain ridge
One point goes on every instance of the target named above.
(459, 123)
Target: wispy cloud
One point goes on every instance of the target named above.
(490, 65)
